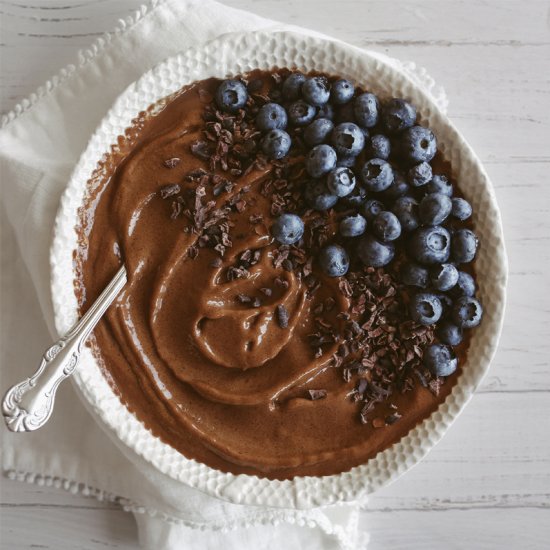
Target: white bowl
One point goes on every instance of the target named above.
(240, 53)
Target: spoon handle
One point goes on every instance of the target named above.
(28, 405)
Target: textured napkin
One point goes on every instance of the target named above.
(40, 142)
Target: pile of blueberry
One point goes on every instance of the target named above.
(372, 162)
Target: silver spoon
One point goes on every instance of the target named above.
(28, 405)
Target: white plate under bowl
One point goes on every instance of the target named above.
(239, 53)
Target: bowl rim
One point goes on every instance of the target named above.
(233, 54)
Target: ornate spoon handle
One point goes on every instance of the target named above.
(28, 405)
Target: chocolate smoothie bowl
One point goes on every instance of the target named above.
(303, 272)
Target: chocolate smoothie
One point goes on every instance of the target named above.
(233, 349)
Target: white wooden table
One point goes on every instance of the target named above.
(487, 484)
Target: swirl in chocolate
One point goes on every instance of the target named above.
(210, 343)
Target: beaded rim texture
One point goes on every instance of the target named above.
(230, 55)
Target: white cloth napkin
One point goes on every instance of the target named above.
(40, 142)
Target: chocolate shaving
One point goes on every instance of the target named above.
(282, 316)
(172, 163)
(169, 190)
(314, 395)
(435, 385)
(196, 174)
(362, 386)
(287, 265)
(392, 418)
(234, 273)
(281, 283)
(244, 299)
(176, 209)
(202, 149)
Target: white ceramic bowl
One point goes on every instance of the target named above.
(240, 53)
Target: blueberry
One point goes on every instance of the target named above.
(347, 161)
(300, 113)
(318, 196)
(440, 184)
(372, 208)
(288, 228)
(292, 86)
(353, 226)
(334, 260)
(318, 131)
(434, 208)
(425, 308)
(271, 116)
(320, 160)
(461, 209)
(398, 188)
(444, 277)
(464, 246)
(276, 144)
(465, 285)
(386, 226)
(231, 95)
(430, 245)
(414, 275)
(377, 175)
(406, 210)
(467, 312)
(325, 111)
(373, 253)
(419, 174)
(418, 144)
(449, 333)
(341, 181)
(316, 90)
(356, 198)
(398, 115)
(440, 360)
(347, 139)
(365, 109)
(378, 147)
(341, 91)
